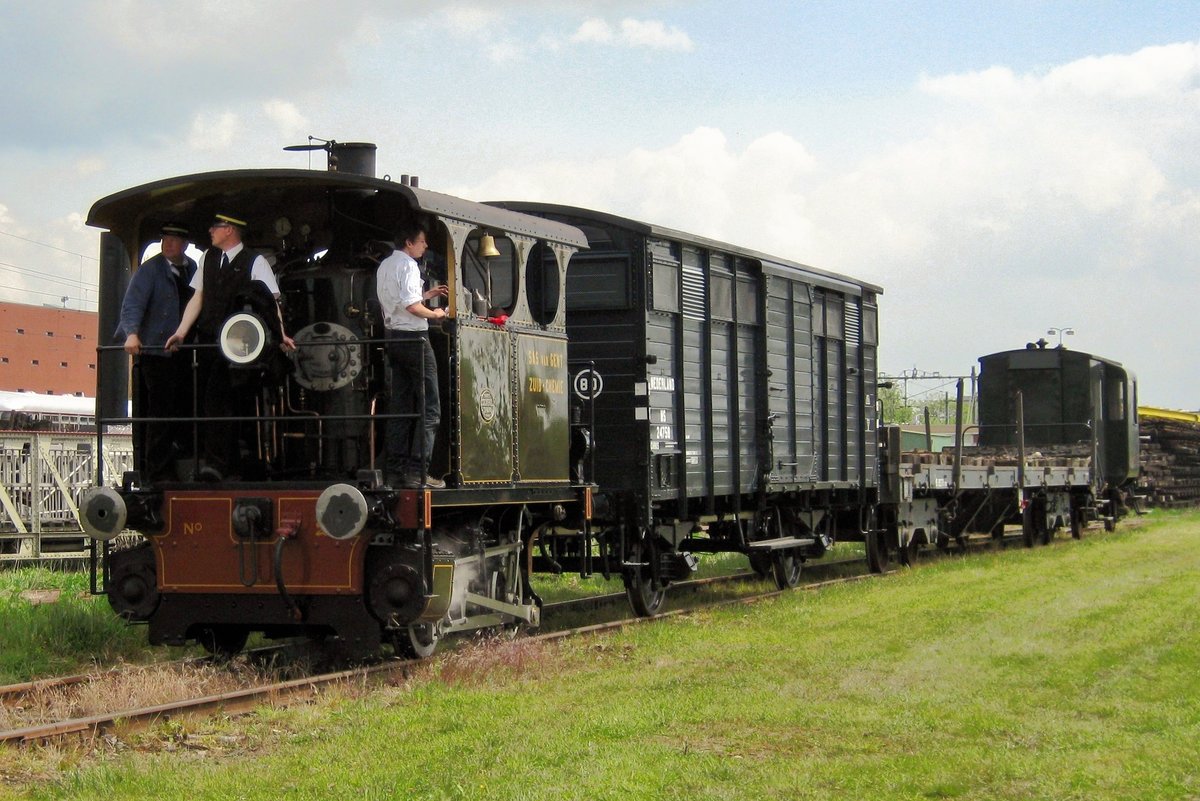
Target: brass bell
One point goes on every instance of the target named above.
(487, 247)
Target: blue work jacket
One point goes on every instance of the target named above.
(151, 305)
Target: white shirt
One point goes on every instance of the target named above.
(260, 270)
(398, 286)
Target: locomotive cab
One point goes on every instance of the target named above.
(308, 539)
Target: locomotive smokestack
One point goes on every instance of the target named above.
(352, 157)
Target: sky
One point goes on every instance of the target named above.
(1001, 169)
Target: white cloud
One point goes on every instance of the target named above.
(652, 34)
(213, 131)
(468, 20)
(1070, 197)
(287, 118)
(90, 165)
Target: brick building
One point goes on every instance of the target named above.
(47, 350)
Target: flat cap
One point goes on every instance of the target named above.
(175, 229)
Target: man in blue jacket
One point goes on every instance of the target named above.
(150, 313)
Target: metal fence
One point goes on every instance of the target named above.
(43, 475)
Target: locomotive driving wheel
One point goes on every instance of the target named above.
(223, 641)
(417, 640)
(645, 599)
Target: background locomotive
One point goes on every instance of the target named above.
(666, 395)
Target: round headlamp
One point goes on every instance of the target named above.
(103, 513)
(243, 338)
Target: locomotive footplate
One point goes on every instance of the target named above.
(415, 507)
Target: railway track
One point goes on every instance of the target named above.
(244, 699)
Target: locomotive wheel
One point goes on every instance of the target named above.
(1077, 524)
(645, 600)
(908, 553)
(417, 641)
(879, 555)
(223, 641)
(785, 568)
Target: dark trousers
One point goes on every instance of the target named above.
(413, 368)
(166, 391)
(219, 400)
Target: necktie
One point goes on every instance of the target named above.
(224, 262)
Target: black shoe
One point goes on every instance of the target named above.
(413, 481)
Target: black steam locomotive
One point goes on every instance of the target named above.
(617, 397)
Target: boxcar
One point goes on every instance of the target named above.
(734, 396)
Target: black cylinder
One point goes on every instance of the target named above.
(353, 157)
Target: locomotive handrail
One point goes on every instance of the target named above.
(194, 347)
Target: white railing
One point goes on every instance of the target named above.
(43, 475)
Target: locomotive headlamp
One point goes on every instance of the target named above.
(103, 513)
(243, 338)
(342, 511)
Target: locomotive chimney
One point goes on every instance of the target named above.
(357, 158)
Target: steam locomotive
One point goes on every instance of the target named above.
(618, 398)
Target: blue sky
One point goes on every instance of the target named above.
(1000, 169)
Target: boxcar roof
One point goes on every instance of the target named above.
(770, 263)
(177, 196)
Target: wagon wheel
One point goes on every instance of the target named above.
(879, 555)
(760, 563)
(907, 554)
(223, 641)
(785, 567)
(645, 599)
(1077, 524)
(416, 641)
(1029, 526)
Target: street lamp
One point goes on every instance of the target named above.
(1066, 330)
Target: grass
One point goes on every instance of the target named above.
(68, 633)
(1066, 672)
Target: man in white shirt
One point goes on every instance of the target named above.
(414, 388)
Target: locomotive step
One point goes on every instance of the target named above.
(780, 543)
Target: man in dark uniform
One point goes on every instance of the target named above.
(150, 313)
(227, 270)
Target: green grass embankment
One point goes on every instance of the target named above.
(51, 624)
(1068, 672)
